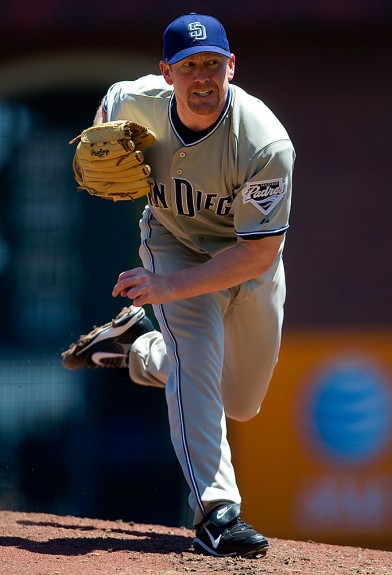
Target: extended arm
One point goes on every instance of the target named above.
(244, 261)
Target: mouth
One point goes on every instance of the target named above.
(204, 94)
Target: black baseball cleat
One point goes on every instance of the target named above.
(224, 534)
(109, 344)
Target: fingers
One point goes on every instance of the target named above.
(133, 284)
(142, 286)
(126, 280)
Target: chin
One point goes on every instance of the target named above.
(204, 109)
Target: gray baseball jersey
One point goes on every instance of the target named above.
(236, 180)
(217, 351)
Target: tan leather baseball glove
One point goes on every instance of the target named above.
(109, 163)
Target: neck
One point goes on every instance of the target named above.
(199, 122)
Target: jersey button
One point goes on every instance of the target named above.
(179, 172)
(182, 154)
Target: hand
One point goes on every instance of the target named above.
(142, 286)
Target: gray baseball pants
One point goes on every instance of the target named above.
(215, 355)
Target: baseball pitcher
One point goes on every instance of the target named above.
(215, 165)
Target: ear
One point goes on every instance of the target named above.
(231, 65)
(166, 72)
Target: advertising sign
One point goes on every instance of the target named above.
(316, 463)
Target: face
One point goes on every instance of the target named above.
(201, 83)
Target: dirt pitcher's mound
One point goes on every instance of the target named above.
(41, 544)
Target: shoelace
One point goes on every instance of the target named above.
(240, 525)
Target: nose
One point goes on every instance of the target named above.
(201, 74)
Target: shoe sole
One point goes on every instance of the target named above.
(202, 548)
(118, 326)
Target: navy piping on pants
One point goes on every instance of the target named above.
(178, 379)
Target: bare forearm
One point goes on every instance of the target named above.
(225, 270)
(242, 262)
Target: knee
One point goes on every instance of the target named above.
(242, 413)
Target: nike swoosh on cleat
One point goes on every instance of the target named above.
(98, 356)
(222, 512)
(113, 331)
(214, 542)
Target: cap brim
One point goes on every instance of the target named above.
(197, 50)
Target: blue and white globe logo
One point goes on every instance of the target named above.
(349, 411)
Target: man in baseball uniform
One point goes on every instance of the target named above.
(212, 238)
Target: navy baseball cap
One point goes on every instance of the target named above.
(192, 34)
